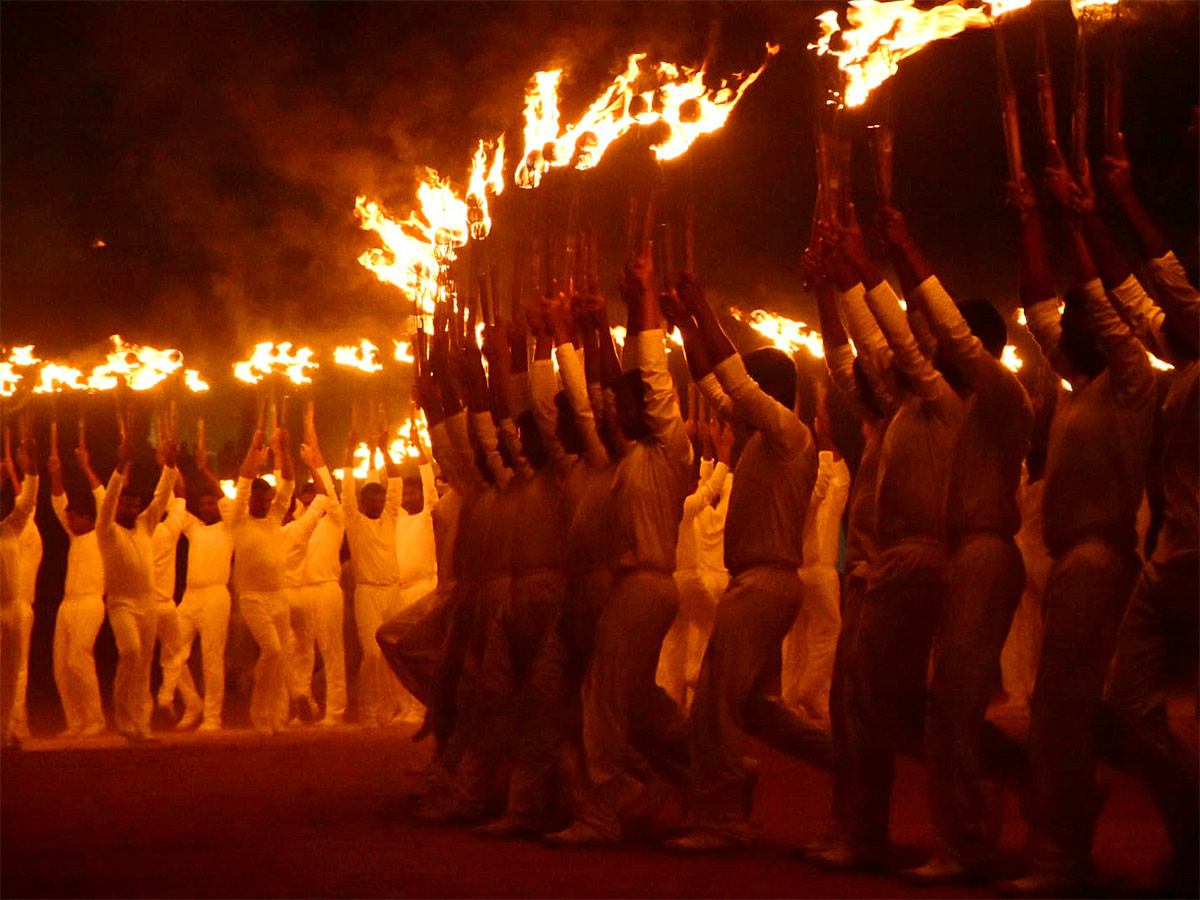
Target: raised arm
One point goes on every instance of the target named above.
(1035, 278)
(543, 385)
(575, 384)
(150, 517)
(26, 503)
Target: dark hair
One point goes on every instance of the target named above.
(775, 373)
(372, 487)
(986, 324)
(83, 504)
(1077, 341)
(1180, 343)
(866, 390)
(567, 428)
(532, 445)
(260, 484)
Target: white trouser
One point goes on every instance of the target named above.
(9, 657)
(408, 707)
(134, 623)
(267, 616)
(683, 647)
(75, 628)
(205, 611)
(171, 658)
(327, 606)
(809, 648)
(377, 685)
(20, 712)
(302, 654)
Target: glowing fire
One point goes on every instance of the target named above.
(881, 34)
(276, 359)
(400, 448)
(486, 178)
(417, 247)
(1093, 8)
(141, 367)
(56, 378)
(1010, 358)
(403, 352)
(785, 334)
(364, 357)
(10, 378)
(194, 382)
(1158, 363)
(677, 98)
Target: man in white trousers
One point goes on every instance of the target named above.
(81, 612)
(16, 518)
(205, 608)
(371, 531)
(30, 561)
(125, 531)
(258, 574)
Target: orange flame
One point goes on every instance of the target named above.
(1010, 358)
(1093, 9)
(678, 99)
(403, 352)
(881, 34)
(194, 382)
(141, 367)
(10, 378)
(364, 357)
(783, 333)
(486, 178)
(56, 378)
(276, 359)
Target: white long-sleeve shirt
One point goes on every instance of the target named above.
(30, 544)
(822, 522)
(711, 486)
(323, 561)
(165, 540)
(773, 479)
(997, 425)
(10, 537)
(373, 541)
(651, 479)
(416, 548)
(1100, 435)
(85, 569)
(914, 467)
(128, 553)
(259, 548)
(296, 536)
(210, 549)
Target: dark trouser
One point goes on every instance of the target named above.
(1086, 595)
(1159, 629)
(739, 693)
(845, 706)
(985, 578)
(886, 700)
(413, 642)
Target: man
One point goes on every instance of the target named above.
(18, 513)
(1100, 436)
(371, 531)
(31, 561)
(321, 586)
(739, 689)
(648, 489)
(175, 676)
(81, 612)
(205, 608)
(259, 562)
(985, 573)
(1159, 628)
(125, 532)
(809, 650)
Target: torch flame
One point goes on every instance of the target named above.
(1093, 8)
(678, 99)
(142, 367)
(278, 359)
(194, 382)
(403, 352)
(1010, 358)
(10, 378)
(56, 378)
(364, 357)
(880, 34)
(486, 178)
(785, 334)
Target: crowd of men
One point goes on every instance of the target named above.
(594, 629)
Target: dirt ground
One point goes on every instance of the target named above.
(321, 812)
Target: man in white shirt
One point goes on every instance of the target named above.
(809, 650)
(31, 560)
(371, 531)
(739, 688)
(81, 612)
(17, 517)
(205, 608)
(125, 532)
(321, 582)
(260, 560)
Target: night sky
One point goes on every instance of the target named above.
(217, 149)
